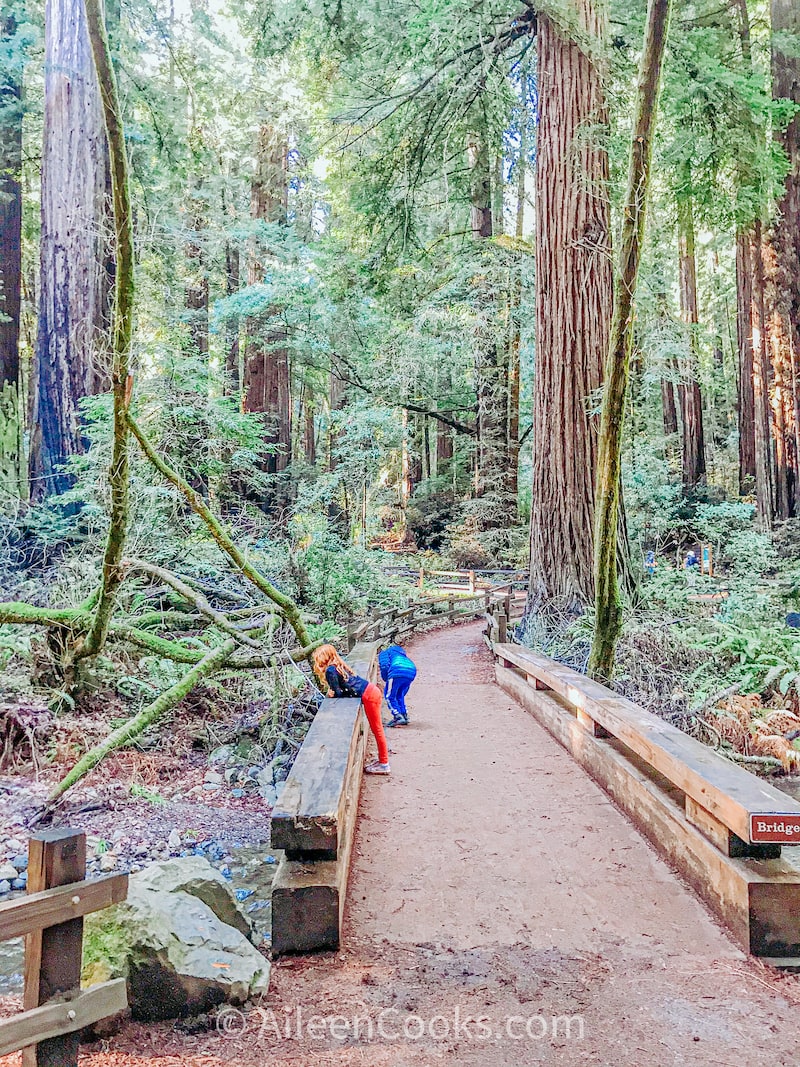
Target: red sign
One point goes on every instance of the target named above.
(773, 827)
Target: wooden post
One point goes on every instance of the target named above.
(472, 581)
(502, 627)
(421, 582)
(451, 602)
(351, 636)
(53, 955)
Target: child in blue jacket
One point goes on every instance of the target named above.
(398, 671)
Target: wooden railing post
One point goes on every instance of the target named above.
(53, 955)
(421, 582)
(502, 627)
(472, 581)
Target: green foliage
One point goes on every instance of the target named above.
(759, 658)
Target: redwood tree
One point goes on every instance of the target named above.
(71, 355)
(266, 365)
(11, 482)
(784, 264)
(573, 306)
(693, 458)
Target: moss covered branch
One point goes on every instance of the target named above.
(136, 726)
(287, 606)
(122, 328)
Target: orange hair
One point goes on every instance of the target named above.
(324, 656)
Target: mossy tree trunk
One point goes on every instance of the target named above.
(608, 599)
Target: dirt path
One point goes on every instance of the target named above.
(501, 913)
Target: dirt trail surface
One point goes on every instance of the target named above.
(501, 912)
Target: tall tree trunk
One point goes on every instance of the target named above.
(784, 302)
(693, 460)
(760, 369)
(12, 481)
(608, 625)
(70, 359)
(266, 375)
(232, 348)
(668, 408)
(573, 309)
(515, 342)
(744, 338)
(491, 354)
(197, 283)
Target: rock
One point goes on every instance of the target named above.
(5, 887)
(221, 754)
(8, 872)
(20, 863)
(211, 787)
(213, 778)
(179, 959)
(232, 774)
(108, 862)
(195, 875)
(237, 793)
(19, 883)
(174, 841)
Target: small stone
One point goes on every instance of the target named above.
(243, 894)
(237, 793)
(20, 863)
(270, 859)
(116, 837)
(5, 887)
(213, 778)
(211, 787)
(8, 872)
(226, 873)
(19, 883)
(140, 850)
(174, 840)
(108, 862)
(221, 754)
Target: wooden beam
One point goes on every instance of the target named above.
(53, 906)
(730, 793)
(311, 806)
(67, 1016)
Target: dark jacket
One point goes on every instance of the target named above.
(352, 686)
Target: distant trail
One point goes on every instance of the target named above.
(493, 879)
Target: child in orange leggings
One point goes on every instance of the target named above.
(342, 681)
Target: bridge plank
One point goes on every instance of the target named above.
(310, 808)
(730, 793)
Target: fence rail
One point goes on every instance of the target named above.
(51, 918)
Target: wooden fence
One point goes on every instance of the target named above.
(50, 917)
(719, 825)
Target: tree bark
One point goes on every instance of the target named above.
(761, 419)
(693, 460)
(491, 353)
(783, 261)
(197, 284)
(608, 599)
(573, 310)
(744, 338)
(71, 359)
(266, 373)
(12, 481)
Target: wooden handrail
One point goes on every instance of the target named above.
(732, 795)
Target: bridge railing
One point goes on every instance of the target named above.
(314, 821)
(720, 825)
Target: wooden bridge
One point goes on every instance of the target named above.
(723, 829)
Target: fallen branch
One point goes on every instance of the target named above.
(133, 728)
(136, 726)
(288, 608)
(195, 598)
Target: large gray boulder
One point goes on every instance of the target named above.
(178, 957)
(195, 875)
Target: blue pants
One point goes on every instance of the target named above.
(396, 691)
